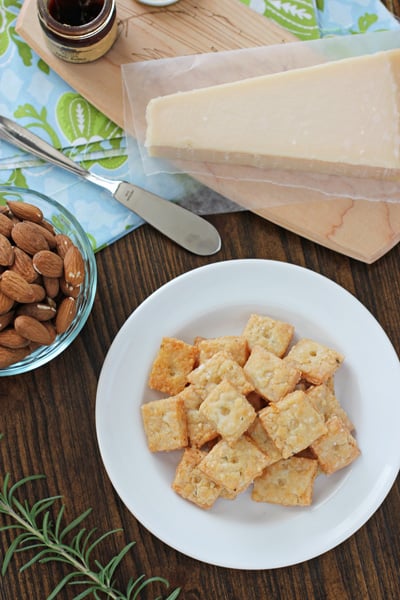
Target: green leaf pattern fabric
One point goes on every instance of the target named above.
(299, 17)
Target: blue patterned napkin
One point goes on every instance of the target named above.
(310, 19)
(340, 17)
(39, 99)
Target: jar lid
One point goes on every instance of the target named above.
(85, 31)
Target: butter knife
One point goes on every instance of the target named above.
(187, 229)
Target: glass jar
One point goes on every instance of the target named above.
(78, 31)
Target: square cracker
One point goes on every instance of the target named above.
(271, 334)
(289, 482)
(191, 483)
(190, 397)
(270, 375)
(337, 448)
(234, 466)
(324, 399)
(220, 366)
(200, 429)
(260, 437)
(228, 410)
(174, 361)
(316, 362)
(165, 424)
(234, 345)
(293, 423)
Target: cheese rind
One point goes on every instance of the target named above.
(340, 117)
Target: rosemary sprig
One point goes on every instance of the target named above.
(51, 541)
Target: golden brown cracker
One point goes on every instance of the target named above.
(174, 361)
(234, 466)
(228, 410)
(271, 334)
(260, 437)
(288, 482)
(271, 376)
(220, 366)
(337, 448)
(324, 399)
(191, 483)
(234, 345)
(293, 423)
(316, 362)
(165, 424)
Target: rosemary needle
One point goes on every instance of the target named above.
(72, 544)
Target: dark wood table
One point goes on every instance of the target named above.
(47, 418)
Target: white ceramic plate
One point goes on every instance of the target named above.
(217, 300)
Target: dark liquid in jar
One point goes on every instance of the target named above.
(75, 12)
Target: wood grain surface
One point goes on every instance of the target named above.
(48, 421)
(358, 228)
(48, 418)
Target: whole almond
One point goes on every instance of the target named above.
(9, 356)
(6, 319)
(39, 293)
(6, 251)
(63, 243)
(28, 238)
(65, 314)
(48, 263)
(68, 289)
(39, 310)
(51, 330)
(48, 234)
(47, 225)
(6, 303)
(26, 211)
(14, 286)
(9, 338)
(33, 330)
(5, 225)
(74, 266)
(52, 286)
(23, 265)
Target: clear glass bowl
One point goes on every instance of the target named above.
(63, 222)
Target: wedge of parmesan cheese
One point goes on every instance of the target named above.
(340, 117)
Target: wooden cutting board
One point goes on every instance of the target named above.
(360, 229)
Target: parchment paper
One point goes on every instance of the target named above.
(145, 80)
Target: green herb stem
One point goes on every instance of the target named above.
(47, 540)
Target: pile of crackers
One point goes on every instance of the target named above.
(256, 409)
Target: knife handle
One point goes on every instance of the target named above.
(12, 132)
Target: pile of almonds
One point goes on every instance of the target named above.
(41, 273)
